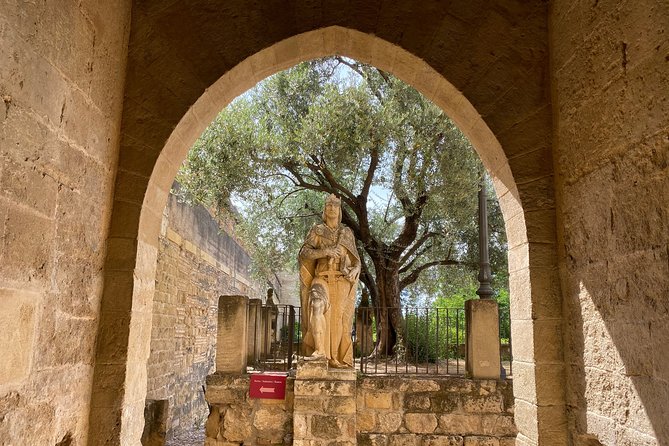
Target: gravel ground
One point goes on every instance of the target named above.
(194, 437)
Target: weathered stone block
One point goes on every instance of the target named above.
(420, 423)
(404, 440)
(224, 396)
(325, 426)
(507, 441)
(483, 404)
(525, 417)
(340, 405)
(460, 424)
(268, 420)
(365, 420)
(481, 441)
(26, 246)
(445, 402)
(332, 388)
(388, 422)
(483, 360)
(309, 404)
(423, 385)
(379, 400)
(237, 423)
(365, 439)
(416, 402)
(443, 440)
(212, 426)
(300, 425)
(231, 332)
(17, 316)
(498, 425)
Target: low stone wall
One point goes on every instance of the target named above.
(434, 412)
(236, 419)
(390, 411)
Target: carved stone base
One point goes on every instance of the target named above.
(324, 407)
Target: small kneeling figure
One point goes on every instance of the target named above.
(320, 304)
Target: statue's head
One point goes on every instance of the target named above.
(332, 204)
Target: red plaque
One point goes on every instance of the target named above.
(265, 385)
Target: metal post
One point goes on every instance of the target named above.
(291, 334)
(485, 290)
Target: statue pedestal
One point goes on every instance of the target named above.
(482, 352)
(324, 408)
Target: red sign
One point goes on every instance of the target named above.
(265, 385)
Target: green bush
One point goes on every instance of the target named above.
(434, 334)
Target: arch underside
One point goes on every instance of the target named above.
(483, 63)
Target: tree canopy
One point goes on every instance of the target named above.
(407, 176)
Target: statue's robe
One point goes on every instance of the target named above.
(341, 292)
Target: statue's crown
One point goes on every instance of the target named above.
(332, 198)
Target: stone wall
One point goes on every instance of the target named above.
(61, 91)
(236, 419)
(390, 411)
(610, 81)
(434, 412)
(197, 263)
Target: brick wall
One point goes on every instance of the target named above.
(197, 263)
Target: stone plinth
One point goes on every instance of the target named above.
(482, 350)
(325, 405)
(236, 419)
(254, 331)
(232, 329)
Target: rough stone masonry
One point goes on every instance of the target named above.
(380, 411)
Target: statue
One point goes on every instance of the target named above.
(329, 272)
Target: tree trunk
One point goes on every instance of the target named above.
(390, 323)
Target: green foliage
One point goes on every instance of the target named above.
(434, 333)
(407, 176)
(285, 331)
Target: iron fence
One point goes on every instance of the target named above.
(275, 338)
(434, 340)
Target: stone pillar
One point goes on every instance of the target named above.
(265, 331)
(482, 341)
(232, 324)
(254, 330)
(364, 340)
(269, 322)
(324, 410)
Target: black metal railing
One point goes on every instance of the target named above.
(434, 340)
(275, 338)
(505, 352)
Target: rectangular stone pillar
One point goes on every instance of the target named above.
(482, 341)
(266, 335)
(231, 334)
(324, 410)
(254, 328)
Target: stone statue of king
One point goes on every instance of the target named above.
(329, 272)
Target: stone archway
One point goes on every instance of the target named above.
(522, 174)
